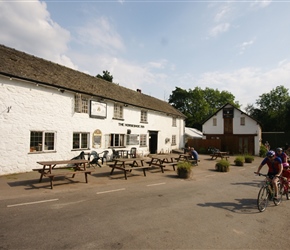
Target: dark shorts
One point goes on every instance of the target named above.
(271, 175)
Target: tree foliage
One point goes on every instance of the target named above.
(273, 110)
(197, 104)
(106, 76)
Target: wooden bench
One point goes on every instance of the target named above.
(73, 173)
(215, 156)
(163, 165)
(127, 169)
(57, 173)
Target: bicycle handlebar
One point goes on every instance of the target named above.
(280, 177)
(260, 174)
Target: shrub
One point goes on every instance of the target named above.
(263, 151)
(184, 169)
(222, 166)
(249, 158)
(202, 150)
(239, 161)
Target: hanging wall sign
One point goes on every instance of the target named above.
(98, 109)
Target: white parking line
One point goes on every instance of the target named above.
(110, 191)
(31, 203)
(156, 184)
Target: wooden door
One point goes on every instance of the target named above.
(228, 125)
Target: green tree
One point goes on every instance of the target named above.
(273, 110)
(106, 76)
(197, 104)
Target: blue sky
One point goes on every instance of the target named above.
(239, 46)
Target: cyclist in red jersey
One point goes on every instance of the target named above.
(281, 155)
(274, 168)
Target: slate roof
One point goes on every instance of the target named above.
(17, 64)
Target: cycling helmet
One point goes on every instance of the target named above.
(279, 149)
(270, 153)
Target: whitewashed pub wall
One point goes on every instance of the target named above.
(27, 107)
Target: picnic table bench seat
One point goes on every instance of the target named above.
(163, 165)
(40, 170)
(215, 156)
(66, 173)
(127, 169)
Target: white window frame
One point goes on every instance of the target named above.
(43, 144)
(118, 111)
(173, 121)
(214, 121)
(143, 140)
(82, 142)
(243, 121)
(173, 140)
(144, 116)
(81, 104)
(117, 140)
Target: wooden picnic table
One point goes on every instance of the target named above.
(129, 164)
(219, 154)
(164, 160)
(187, 157)
(51, 169)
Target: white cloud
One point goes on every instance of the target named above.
(27, 26)
(100, 33)
(158, 65)
(245, 45)
(222, 13)
(261, 3)
(247, 84)
(220, 28)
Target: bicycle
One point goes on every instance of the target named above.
(267, 193)
(285, 185)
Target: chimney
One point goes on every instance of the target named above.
(139, 90)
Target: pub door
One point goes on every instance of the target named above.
(153, 139)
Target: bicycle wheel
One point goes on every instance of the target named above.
(287, 193)
(286, 190)
(279, 195)
(263, 198)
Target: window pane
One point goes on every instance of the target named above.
(116, 140)
(118, 111)
(143, 140)
(49, 141)
(35, 141)
(84, 140)
(76, 140)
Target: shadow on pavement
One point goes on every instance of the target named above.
(246, 206)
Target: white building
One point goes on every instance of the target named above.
(51, 112)
(239, 133)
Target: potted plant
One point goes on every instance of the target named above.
(184, 169)
(239, 161)
(249, 158)
(263, 151)
(222, 166)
